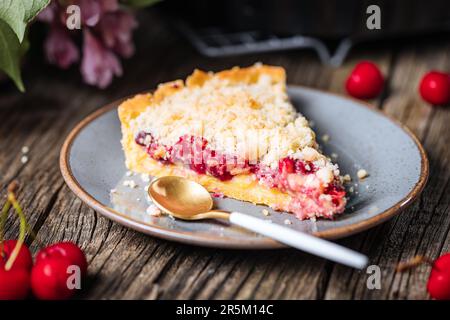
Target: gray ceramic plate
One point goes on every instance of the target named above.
(92, 164)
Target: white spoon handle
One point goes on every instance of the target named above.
(300, 240)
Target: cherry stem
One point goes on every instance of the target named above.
(23, 225)
(414, 262)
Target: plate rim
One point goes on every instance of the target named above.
(228, 242)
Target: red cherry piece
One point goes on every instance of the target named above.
(199, 168)
(286, 165)
(140, 138)
(220, 172)
(49, 279)
(14, 284)
(67, 250)
(23, 259)
(304, 168)
(439, 281)
(435, 88)
(365, 81)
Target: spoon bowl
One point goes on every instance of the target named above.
(183, 198)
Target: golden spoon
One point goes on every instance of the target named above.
(188, 200)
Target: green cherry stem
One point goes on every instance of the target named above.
(23, 225)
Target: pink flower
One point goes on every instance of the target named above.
(99, 64)
(49, 13)
(116, 30)
(107, 31)
(60, 49)
(109, 5)
(92, 10)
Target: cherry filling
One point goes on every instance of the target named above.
(336, 192)
(141, 137)
(289, 165)
(195, 153)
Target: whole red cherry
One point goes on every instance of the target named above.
(365, 81)
(435, 88)
(14, 284)
(68, 250)
(439, 281)
(23, 259)
(49, 279)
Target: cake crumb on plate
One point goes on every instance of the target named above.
(347, 178)
(362, 173)
(153, 211)
(130, 183)
(145, 177)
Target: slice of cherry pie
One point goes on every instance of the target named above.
(236, 133)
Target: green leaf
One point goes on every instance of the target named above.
(139, 3)
(10, 54)
(13, 13)
(17, 13)
(33, 7)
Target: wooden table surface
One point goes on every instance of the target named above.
(126, 264)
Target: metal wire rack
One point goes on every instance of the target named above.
(215, 42)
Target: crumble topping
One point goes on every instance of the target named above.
(255, 120)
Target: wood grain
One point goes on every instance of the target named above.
(126, 264)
